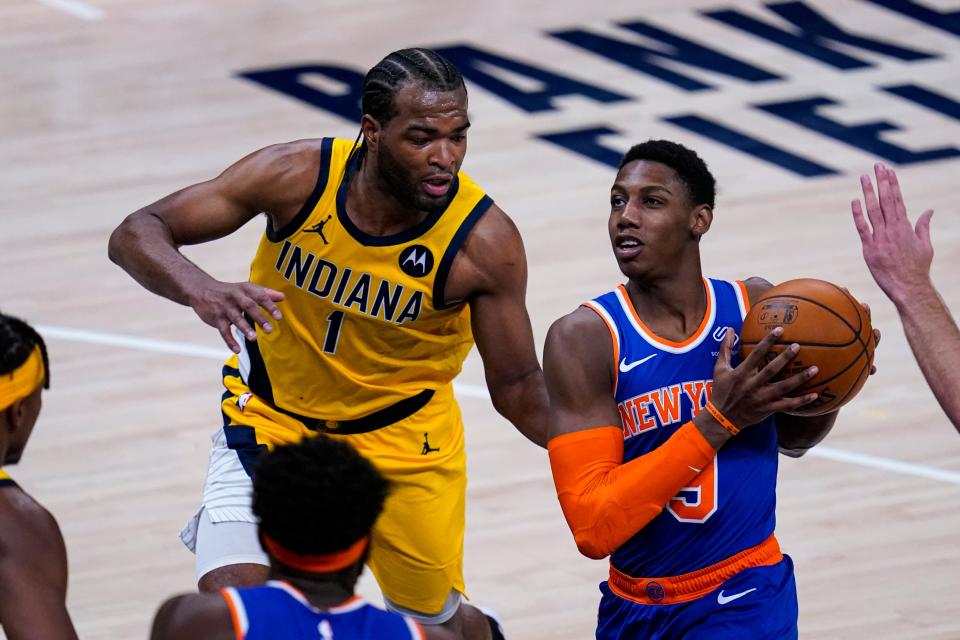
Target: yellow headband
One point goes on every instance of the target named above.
(23, 380)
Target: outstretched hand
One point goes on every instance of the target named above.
(897, 254)
(748, 393)
(227, 304)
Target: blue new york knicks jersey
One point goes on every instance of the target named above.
(660, 385)
(277, 611)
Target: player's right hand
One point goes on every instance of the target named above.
(897, 253)
(233, 304)
(748, 393)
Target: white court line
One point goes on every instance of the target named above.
(469, 391)
(182, 349)
(131, 342)
(76, 8)
(885, 464)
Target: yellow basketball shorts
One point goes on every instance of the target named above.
(416, 546)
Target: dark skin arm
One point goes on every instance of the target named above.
(578, 364)
(490, 273)
(33, 571)
(197, 615)
(796, 434)
(276, 180)
(604, 499)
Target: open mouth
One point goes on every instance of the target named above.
(626, 246)
(437, 186)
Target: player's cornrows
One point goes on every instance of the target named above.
(17, 341)
(690, 167)
(317, 496)
(424, 67)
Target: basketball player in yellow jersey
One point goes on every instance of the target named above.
(33, 558)
(380, 265)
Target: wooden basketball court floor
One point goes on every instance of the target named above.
(109, 104)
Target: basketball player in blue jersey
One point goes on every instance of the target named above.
(33, 558)
(380, 265)
(899, 258)
(664, 453)
(316, 502)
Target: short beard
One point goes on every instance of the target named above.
(402, 186)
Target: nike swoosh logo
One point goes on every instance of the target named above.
(624, 367)
(722, 599)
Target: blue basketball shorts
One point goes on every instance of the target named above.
(755, 604)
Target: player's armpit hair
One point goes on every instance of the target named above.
(606, 501)
(17, 341)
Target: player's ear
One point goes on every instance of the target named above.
(371, 128)
(8, 419)
(20, 415)
(14, 417)
(701, 218)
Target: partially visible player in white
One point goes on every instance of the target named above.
(899, 257)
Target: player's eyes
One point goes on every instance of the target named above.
(617, 201)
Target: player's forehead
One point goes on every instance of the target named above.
(647, 174)
(414, 102)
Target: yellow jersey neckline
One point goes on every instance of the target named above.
(414, 232)
(6, 480)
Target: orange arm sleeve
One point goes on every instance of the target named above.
(607, 501)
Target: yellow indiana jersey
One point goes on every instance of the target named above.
(364, 321)
(5, 479)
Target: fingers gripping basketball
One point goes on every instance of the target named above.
(832, 329)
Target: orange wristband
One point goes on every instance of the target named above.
(722, 419)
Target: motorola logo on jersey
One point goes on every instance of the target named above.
(416, 260)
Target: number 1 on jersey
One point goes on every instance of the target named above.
(334, 322)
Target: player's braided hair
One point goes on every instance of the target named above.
(421, 66)
(690, 167)
(17, 341)
(318, 496)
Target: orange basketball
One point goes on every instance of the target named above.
(832, 329)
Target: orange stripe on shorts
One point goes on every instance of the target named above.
(696, 584)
